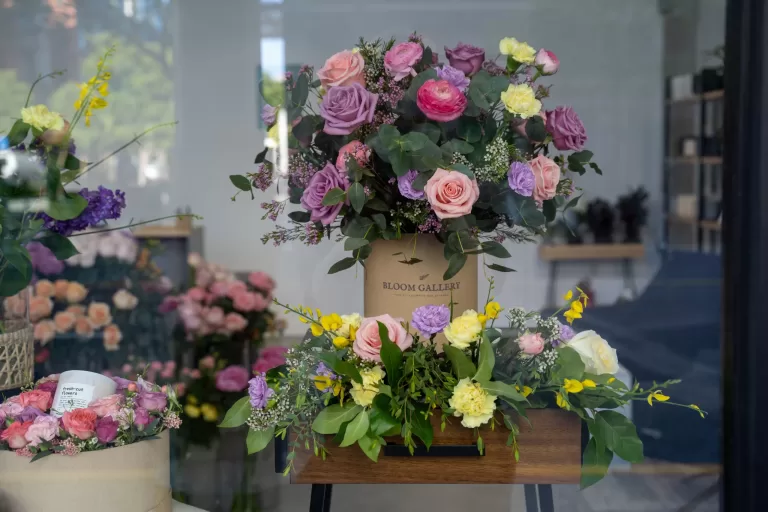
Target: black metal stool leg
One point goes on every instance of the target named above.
(546, 501)
(531, 499)
(320, 501)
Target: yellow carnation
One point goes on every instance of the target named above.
(521, 100)
(363, 394)
(39, 117)
(518, 50)
(474, 404)
(349, 325)
(464, 330)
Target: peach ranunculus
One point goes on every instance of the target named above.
(14, 435)
(547, 174)
(60, 289)
(15, 306)
(80, 423)
(83, 327)
(109, 405)
(39, 308)
(45, 331)
(36, 398)
(64, 321)
(123, 299)
(343, 68)
(76, 293)
(354, 149)
(44, 288)
(112, 338)
(368, 343)
(99, 314)
(77, 309)
(451, 193)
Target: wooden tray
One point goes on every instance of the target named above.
(550, 453)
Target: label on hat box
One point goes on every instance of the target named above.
(72, 396)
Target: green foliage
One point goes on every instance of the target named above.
(618, 434)
(463, 367)
(356, 429)
(381, 421)
(17, 267)
(357, 197)
(59, 245)
(391, 356)
(240, 182)
(569, 364)
(257, 440)
(334, 196)
(595, 465)
(485, 90)
(330, 419)
(519, 209)
(370, 446)
(238, 414)
(486, 361)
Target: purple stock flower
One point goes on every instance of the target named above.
(566, 333)
(318, 186)
(568, 133)
(268, 114)
(345, 108)
(103, 204)
(106, 429)
(521, 179)
(431, 319)
(43, 260)
(454, 76)
(405, 185)
(259, 391)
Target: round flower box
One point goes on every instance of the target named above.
(132, 478)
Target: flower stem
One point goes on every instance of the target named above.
(134, 224)
(52, 74)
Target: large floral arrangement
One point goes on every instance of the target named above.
(139, 410)
(404, 144)
(362, 379)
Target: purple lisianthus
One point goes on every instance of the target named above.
(324, 371)
(466, 58)
(405, 185)
(29, 413)
(103, 204)
(106, 429)
(566, 333)
(568, 133)
(259, 391)
(122, 384)
(268, 114)
(431, 319)
(43, 260)
(345, 108)
(318, 186)
(521, 179)
(453, 76)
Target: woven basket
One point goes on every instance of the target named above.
(17, 355)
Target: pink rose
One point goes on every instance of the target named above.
(112, 338)
(531, 343)
(214, 315)
(547, 174)
(451, 193)
(232, 379)
(235, 322)
(36, 398)
(197, 294)
(39, 308)
(207, 362)
(264, 281)
(156, 365)
(64, 321)
(343, 68)
(80, 423)
(203, 277)
(547, 61)
(249, 301)
(195, 374)
(355, 149)
(152, 401)
(48, 385)
(440, 100)
(236, 288)
(108, 406)
(43, 429)
(15, 435)
(368, 343)
(141, 417)
(219, 288)
(45, 331)
(99, 314)
(401, 58)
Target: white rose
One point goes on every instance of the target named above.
(598, 356)
(124, 299)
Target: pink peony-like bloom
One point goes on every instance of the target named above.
(547, 174)
(45, 331)
(245, 301)
(36, 398)
(269, 357)
(466, 57)
(346, 108)
(401, 58)
(451, 193)
(262, 280)
(197, 294)
(547, 61)
(531, 343)
(355, 149)
(367, 343)
(214, 316)
(109, 405)
(220, 288)
(440, 100)
(319, 185)
(343, 68)
(236, 288)
(64, 321)
(235, 322)
(43, 428)
(80, 423)
(232, 379)
(15, 434)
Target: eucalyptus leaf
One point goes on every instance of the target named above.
(499, 268)
(334, 197)
(342, 264)
(455, 264)
(495, 249)
(350, 244)
(240, 182)
(357, 196)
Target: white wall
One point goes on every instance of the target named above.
(611, 73)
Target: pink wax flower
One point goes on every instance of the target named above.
(367, 343)
(531, 343)
(547, 174)
(451, 193)
(401, 58)
(343, 68)
(440, 100)
(232, 379)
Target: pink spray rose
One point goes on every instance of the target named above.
(220, 288)
(466, 57)
(355, 149)
(346, 108)
(236, 288)
(440, 100)
(43, 428)
(343, 68)
(451, 193)
(152, 401)
(232, 379)
(368, 343)
(108, 406)
(36, 398)
(568, 133)
(15, 434)
(401, 58)
(80, 423)
(250, 301)
(214, 315)
(319, 185)
(106, 429)
(197, 294)
(235, 322)
(547, 61)
(262, 280)
(547, 174)
(531, 343)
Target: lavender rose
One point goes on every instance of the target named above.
(567, 130)
(140, 417)
(318, 186)
(453, 76)
(106, 429)
(405, 185)
(268, 114)
(521, 179)
(466, 58)
(347, 107)
(152, 401)
(259, 391)
(431, 319)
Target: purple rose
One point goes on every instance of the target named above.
(122, 384)
(521, 179)
(43, 260)
(318, 186)
(152, 401)
(140, 417)
(567, 130)
(268, 114)
(259, 391)
(347, 107)
(466, 58)
(453, 76)
(49, 386)
(29, 413)
(405, 185)
(232, 379)
(431, 319)
(106, 429)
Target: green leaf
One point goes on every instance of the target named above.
(463, 169)
(334, 196)
(499, 388)
(257, 440)
(463, 367)
(521, 210)
(381, 420)
(595, 464)
(330, 419)
(299, 216)
(342, 264)
(422, 179)
(596, 168)
(469, 129)
(463, 223)
(458, 146)
(59, 245)
(350, 244)
(391, 356)
(41, 455)
(455, 264)
(570, 365)
(426, 58)
(370, 446)
(72, 163)
(485, 361)
(535, 129)
(430, 130)
(356, 429)
(357, 196)
(237, 414)
(421, 426)
(260, 156)
(271, 95)
(495, 249)
(341, 367)
(306, 128)
(380, 220)
(300, 91)
(67, 206)
(499, 268)
(414, 141)
(581, 156)
(18, 133)
(619, 435)
(240, 182)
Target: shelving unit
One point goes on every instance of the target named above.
(698, 176)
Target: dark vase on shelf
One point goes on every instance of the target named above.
(600, 221)
(633, 213)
